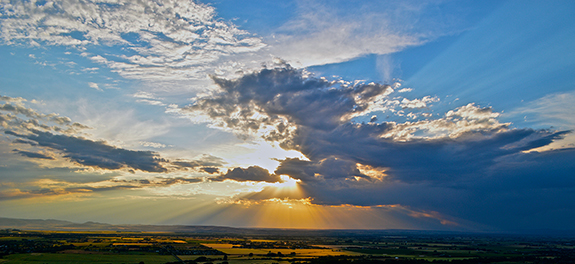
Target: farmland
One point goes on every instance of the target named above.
(19, 246)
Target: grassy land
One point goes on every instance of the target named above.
(128, 248)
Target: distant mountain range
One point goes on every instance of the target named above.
(60, 225)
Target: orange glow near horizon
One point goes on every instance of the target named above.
(283, 204)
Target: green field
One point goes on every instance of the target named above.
(161, 248)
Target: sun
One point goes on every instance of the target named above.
(287, 182)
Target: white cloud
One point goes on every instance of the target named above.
(150, 102)
(95, 86)
(152, 144)
(144, 95)
(418, 103)
(165, 40)
(16, 107)
(324, 32)
(17, 100)
(405, 90)
(554, 110)
(467, 119)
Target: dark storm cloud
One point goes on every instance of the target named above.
(313, 116)
(277, 98)
(34, 155)
(21, 141)
(467, 164)
(94, 153)
(331, 168)
(210, 170)
(439, 160)
(253, 173)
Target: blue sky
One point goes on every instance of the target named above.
(441, 115)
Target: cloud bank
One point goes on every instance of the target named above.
(415, 163)
(64, 138)
(166, 40)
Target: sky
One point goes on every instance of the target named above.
(429, 115)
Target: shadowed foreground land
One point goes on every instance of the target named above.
(54, 241)
(19, 246)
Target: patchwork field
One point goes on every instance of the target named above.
(230, 250)
(36, 247)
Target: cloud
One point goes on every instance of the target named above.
(210, 170)
(160, 182)
(18, 100)
(328, 169)
(19, 109)
(20, 118)
(34, 155)
(252, 173)
(418, 103)
(167, 40)
(287, 105)
(324, 32)
(64, 140)
(93, 153)
(416, 164)
(152, 144)
(60, 138)
(51, 187)
(275, 102)
(148, 98)
(201, 161)
(94, 86)
(551, 110)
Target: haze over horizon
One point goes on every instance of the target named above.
(428, 115)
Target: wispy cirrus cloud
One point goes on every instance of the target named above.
(323, 32)
(551, 110)
(54, 187)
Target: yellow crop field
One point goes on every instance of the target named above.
(263, 240)
(230, 250)
(133, 244)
